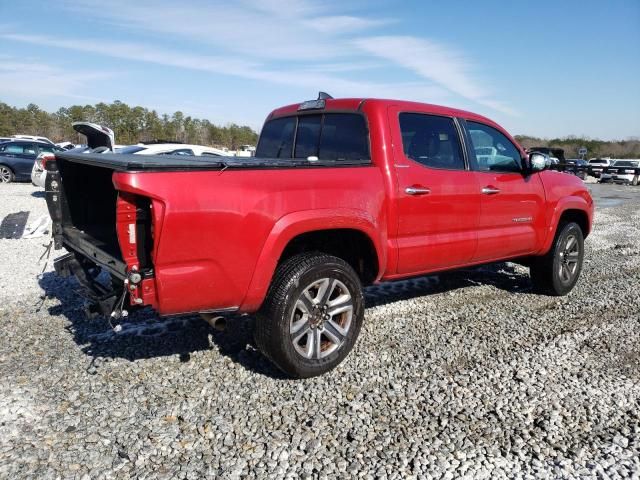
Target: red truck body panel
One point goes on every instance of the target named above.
(218, 234)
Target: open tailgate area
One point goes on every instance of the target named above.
(102, 229)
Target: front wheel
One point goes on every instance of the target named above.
(312, 314)
(635, 181)
(557, 272)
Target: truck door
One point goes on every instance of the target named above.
(438, 201)
(512, 203)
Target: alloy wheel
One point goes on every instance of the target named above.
(569, 259)
(321, 318)
(5, 175)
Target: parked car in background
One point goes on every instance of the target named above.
(160, 148)
(246, 151)
(597, 164)
(578, 162)
(66, 145)
(4, 139)
(18, 156)
(32, 137)
(100, 139)
(626, 172)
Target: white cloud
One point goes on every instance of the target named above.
(432, 61)
(297, 43)
(343, 23)
(314, 80)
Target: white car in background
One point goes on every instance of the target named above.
(161, 148)
(596, 165)
(626, 172)
(102, 140)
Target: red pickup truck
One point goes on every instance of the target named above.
(342, 193)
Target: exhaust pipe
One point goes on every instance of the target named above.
(216, 321)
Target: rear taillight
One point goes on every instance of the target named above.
(44, 158)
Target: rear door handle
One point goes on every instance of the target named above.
(417, 191)
(489, 190)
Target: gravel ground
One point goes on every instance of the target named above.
(462, 375)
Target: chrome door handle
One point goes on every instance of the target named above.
(490, 190)
(416, 191)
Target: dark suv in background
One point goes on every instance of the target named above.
(17, 158)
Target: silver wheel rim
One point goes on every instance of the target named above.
(569, 259)
(321, 318)
(5, 175)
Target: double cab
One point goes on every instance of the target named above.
(341, 194)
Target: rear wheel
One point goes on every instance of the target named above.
(6, 174)
(312, 314)
(557, 272)
(635, 181)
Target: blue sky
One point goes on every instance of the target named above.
(546, 68)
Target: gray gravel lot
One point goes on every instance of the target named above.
(462, 375)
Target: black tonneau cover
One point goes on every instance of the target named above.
(156, 163)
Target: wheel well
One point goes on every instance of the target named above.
(353, 246)
(577, 216)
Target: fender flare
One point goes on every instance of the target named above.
(290, 226)
(572, 202)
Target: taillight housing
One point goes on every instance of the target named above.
(43, 158)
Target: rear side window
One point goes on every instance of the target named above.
(329, 136)
(493, 150)
(431, 140)
(276, 139)
(344, 137)
(48, 148)
(20, 148)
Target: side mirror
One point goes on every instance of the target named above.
(538, 162)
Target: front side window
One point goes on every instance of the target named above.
(493, 151)
(327, 136)
(431, 140)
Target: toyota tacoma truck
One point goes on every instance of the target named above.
(341, 194)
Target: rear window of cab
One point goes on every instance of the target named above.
(323, 136)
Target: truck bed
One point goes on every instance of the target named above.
(158, 163)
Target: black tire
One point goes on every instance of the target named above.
(283, 312)
(555, 273)
(6, 174)
(635, 181)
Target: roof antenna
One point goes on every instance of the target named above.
(324, 96)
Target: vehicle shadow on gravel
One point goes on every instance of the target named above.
(144, 335)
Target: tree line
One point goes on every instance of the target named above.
(629, 148)
(130, 124)
(138, 124)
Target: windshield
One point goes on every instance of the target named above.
(131, 149)
(598, 162)
(625, 163)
